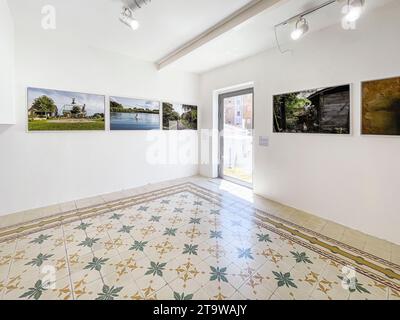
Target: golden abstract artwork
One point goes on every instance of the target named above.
(381, 107)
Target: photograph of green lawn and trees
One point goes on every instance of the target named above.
(55, 110)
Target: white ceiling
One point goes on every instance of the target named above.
(168, 24)
(165, 24)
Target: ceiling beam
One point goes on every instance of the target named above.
(243, 14)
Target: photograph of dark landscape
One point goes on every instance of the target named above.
(324, 110)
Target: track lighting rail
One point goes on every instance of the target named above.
(137, 4)
(306, 13)
(352, 13)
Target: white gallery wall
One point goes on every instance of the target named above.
(43, 168)
(6, 65)
(353, 180)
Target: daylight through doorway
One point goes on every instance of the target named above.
(236, 138)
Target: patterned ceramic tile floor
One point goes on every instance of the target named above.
(190, 239)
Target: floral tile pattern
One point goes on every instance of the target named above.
(184, 242)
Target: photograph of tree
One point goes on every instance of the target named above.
(324, 110)
(54, 110)
(179, 117)
(381, 107)
(134, 114)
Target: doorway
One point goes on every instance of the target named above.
(236, 123)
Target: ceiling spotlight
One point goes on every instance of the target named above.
(301, 29)
(353, 10)
(128, 19)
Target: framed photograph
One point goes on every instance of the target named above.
(179, 116)
(381, 107)
(324, 110)
(134, 114)
(55, 110)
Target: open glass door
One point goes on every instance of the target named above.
(236, 136)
